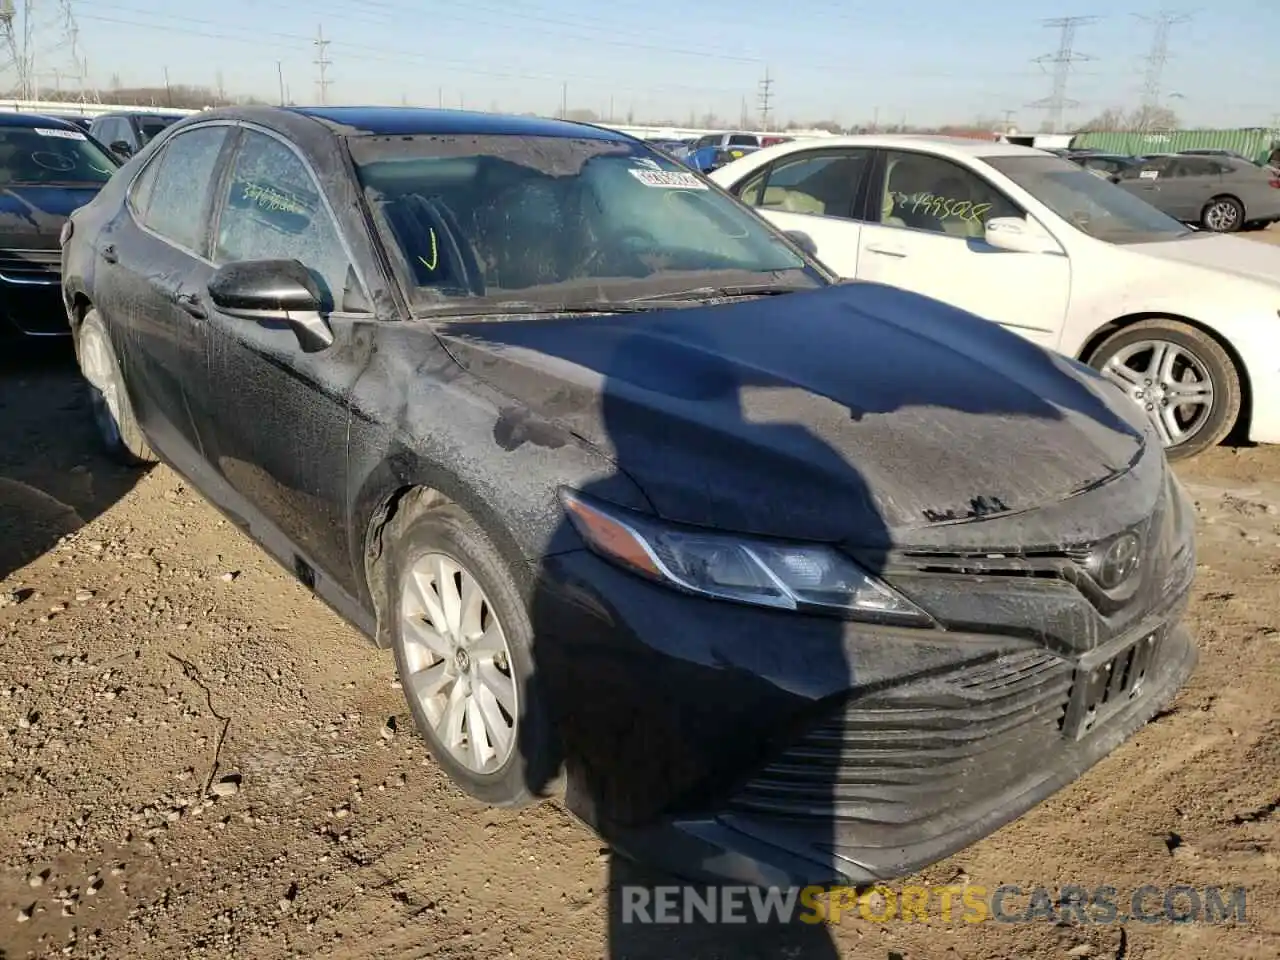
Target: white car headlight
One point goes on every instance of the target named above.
(771, 573)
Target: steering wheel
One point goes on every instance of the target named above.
(618, 247)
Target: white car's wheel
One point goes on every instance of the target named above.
(1181, 377)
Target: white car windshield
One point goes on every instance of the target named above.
(1088, 202)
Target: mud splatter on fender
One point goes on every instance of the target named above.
(517, 425)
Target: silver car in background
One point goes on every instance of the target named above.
(1217, 193)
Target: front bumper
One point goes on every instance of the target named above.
(31, 303)
(726, 743)
(742, 846)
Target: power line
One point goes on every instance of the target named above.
(361, 52)
(322, 66)
(1162, 23)
(766, 94)
(1062, 61)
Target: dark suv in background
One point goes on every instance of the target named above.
(124, 134)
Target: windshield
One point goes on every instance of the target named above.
(555, 220)
(150, 126)
(42, 155)
(1089, 203)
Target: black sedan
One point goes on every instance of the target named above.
(48, 168)
(793, 581)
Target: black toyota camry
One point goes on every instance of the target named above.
(784, 580)
(48, 167)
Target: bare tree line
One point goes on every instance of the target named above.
(179, 96)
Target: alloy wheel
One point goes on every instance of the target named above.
(458, 663)
(1169, 382)
(99, 369)
(1221, 217)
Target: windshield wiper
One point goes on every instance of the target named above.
(523, 309)
(727, 292)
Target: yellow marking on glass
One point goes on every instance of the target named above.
(435, 254)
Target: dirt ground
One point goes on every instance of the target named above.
(196, 760)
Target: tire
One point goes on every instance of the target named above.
(531, 767)
(1203, 352)
(113, 416)
(1226, 212)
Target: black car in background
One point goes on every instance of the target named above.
(48, 168)
(126, 133)
(795, 581)
(84, 123)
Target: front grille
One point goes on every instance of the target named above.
(912, 752)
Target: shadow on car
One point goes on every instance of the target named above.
(701, 704)
(53, 476)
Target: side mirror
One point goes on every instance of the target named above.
(803, 241)
(273, 290)
(121, 149)
(1018, 235)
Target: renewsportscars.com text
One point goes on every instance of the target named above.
(970, 903)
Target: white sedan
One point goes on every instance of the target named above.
(1186, 322)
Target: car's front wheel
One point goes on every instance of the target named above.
(1222, 215)
(113, 415)
(463, 646)
(1180, 376)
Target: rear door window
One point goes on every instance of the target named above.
(177, 198)
(825, 183)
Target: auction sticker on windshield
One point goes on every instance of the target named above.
(65, 134)
(675, 178)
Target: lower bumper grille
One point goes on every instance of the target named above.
(31, 267)
(915, 751)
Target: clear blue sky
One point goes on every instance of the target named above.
(850, 61)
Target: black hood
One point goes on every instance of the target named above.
(849, 413)
(31, 217)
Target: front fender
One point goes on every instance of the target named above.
(419, 420)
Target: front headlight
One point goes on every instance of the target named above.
(770, 573)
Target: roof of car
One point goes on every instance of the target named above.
(8, 119)
(946, 146)
(407, 121)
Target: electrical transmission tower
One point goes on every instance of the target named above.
(1062, 61)
(15, 32)
(322, 63)
(1162, 23)
(20, 28)
(765, 98)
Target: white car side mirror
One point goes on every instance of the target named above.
(1018, 235)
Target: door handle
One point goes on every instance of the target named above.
(108, 253)
(191, 303)
(888, 251)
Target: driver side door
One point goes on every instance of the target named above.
(278, 416)
(927, 235)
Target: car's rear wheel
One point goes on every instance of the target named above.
(113, 416)
(463, 646)
(1180, 376)
(1222, 215)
